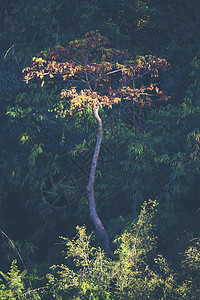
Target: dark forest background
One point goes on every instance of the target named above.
(147, 153)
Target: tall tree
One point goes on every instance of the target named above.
(96, 76)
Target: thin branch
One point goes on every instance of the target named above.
(53, 207)
(118, 70)
(8, 51)
(33, 38)
(17, 253)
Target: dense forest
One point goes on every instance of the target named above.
(100, 149)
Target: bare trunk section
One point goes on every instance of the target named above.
(90, 189)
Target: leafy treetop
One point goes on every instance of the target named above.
(96, 74)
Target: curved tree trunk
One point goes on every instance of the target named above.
(90, 190)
